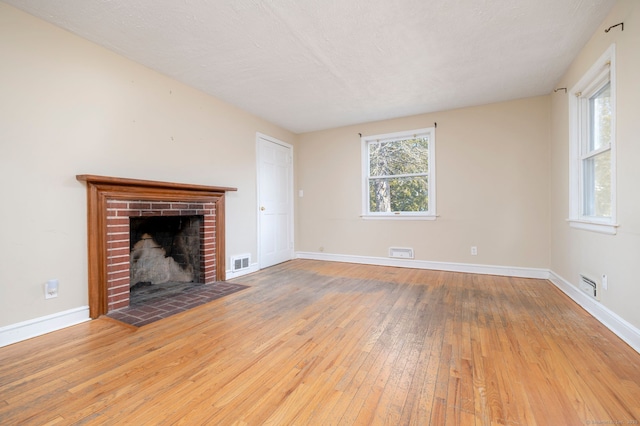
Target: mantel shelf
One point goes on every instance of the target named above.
(140, 183)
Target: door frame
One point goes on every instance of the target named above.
(290, 190)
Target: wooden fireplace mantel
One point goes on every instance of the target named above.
(103, 188)
(140, 183)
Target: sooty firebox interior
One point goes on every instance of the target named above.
(165, 249)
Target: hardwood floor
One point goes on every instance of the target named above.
(321, 343)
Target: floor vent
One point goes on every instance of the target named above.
(240, 262)
(403, 253)
(589, 286)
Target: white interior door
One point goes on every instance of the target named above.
(275, 201)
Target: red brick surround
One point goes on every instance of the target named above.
(112, 201)
(118, 245)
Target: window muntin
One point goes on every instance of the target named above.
(399, 174)
(592, 169)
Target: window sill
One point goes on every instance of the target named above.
(398, 217)
(603, 228)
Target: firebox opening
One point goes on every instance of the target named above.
(165, 249)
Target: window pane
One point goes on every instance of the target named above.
(597, 185)
(600, 113)
(408, 194)
(399, 157)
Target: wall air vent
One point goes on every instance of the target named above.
(589, 286)
(240, 262)
(401, 252)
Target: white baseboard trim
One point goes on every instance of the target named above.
(251, 269)
(36, 327)
(611, 320)
(470, 268)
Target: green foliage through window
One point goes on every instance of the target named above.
(398, 178)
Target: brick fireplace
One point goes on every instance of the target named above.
(113, 202)
(119, 214)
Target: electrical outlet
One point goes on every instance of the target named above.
(51, 289)
(474, 250)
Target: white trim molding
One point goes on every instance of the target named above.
(235, 274)
(595, 227)
(509, 271)
(601, 73)
(611, 320)
(36, 327)
(429, 174)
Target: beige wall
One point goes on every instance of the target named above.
(573, 251)
(492, 188)
(69, 107)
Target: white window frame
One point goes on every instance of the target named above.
(431, 175)
(600, 73)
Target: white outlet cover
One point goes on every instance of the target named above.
(51, 289)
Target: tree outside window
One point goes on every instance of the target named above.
(399, 174)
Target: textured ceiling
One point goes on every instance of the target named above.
(315, 64)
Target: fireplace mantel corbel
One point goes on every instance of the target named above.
(104, 189)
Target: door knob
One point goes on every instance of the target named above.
(262, 208)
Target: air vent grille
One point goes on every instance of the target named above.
(589, 286)
(240, 262)
(401, 252)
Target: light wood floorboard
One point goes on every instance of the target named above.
(323, 343)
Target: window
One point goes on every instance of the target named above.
(399, 175)
(592, 114)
